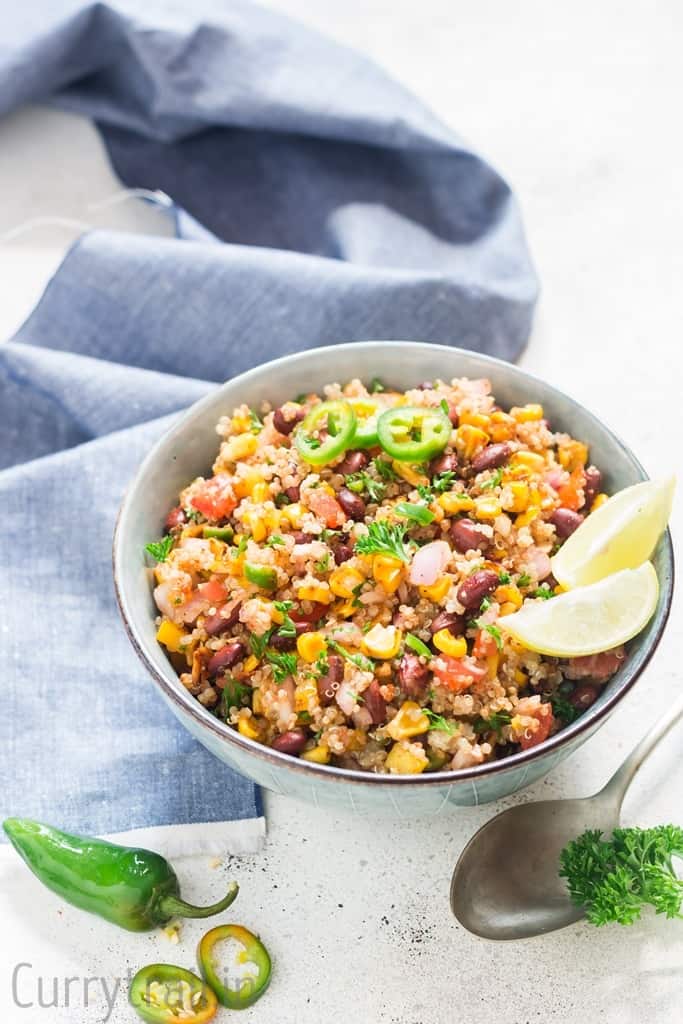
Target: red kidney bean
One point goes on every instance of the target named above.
(353, 463)
(226, 657)
(293, 492)
(329, 684)
(284, 423)
(412, 675)
(302, 538)
(448, 620)
(444, 464)
(224, 619)
(467, 536)
(351, 503)
(592, 486)
(342, 553)
(493, 456)
(583, 696)
(176, 517)
(292, 742)
(375, 703)
(565, 522)
(476, 587)
(284, 643)
(316, 613)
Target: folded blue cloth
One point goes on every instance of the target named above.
(317, 202)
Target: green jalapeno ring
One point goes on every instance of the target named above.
(367, 412)
(156, 989)
(251, 988)
(341, 426)
(412, 433)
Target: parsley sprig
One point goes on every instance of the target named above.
(419, 514)
(160, 549)
(443, 481)
(288, 628)
(384, 469)
(614, 878)
(493, 481)
(359, 660)
(384, 538)
(283, 664)
(439, 723)
(362, 482)
(494, 723)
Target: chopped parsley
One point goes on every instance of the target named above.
(494, 723)
(305, 717)
(282, 499)
(544, 592)
(359, 660)
(444, 481)
(259, 644)
(485, 604)
(504, 577)
(160, 549)
(288, 628)
(234, 695)
(425, 493)
(362, 482)
(323, 564)
(384, 469)
(193, 514)
(496, 634)
(439, 723)
(524, 580)
(327, 535)
(283, 665)
(383, 538)
(414, 513)
(255, 421)
(275, 540)
(443, 405)
(613, 878)
(493, 481)
(376, 386)
(417, 645)
(561, 707)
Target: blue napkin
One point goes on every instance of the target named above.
(316, 201)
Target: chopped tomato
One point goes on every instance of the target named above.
(214, 591)
(326, 507)
(457, 674)
(484, 645)
(316, 613)
(571, 495)
(596, 666)
(215, 498)
(544, 716)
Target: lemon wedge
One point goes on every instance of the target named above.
(590, 619)
(621, 534)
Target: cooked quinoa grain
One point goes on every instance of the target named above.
(334, 589)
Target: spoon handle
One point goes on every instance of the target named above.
(616, 787)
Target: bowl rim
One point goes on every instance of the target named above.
(179, 696)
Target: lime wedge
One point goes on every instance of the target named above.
(590, 619)
(621, 534)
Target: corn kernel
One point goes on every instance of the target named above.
(241, 423)
(527, 517)
(318, 594)
(572, 455)
(519, 491)
(492, 661)
(410, 474)
(525, 460)
(445, 642)
(501, 427)
(345, 609)
(344, 580)
(406, 759)
(474, 419)
(487, 508)
(318, 755)
(256, 701)
(469, 440)
(310, 646)
(436, 591)
(306, 696)
(260, 492)
(507, 608)
(255, 522)
(169, 635)
(509, 594)
(241, 446)
(453, 502)
(600, 499)
(249, 726)
(382, 642)
(521, 678)
(244, 484)
(251, 663)
(527, 413)
(294, 513)
(388, 571)
(410, 720)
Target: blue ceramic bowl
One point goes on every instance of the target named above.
(188, 450)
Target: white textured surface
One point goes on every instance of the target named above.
(578, 106)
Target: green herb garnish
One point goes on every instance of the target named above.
(256, 423)
(283, 665)
(543, 591)
(193, 514)
(233, 695)
(493, 481)
(275, 540)
(418, 646)
(288, 628)
(259, 644)
(614, 878)
(383, 538)
(414, 513)
(496, 634)
(524, 580)
(504, 577)
(323, 564)
(359, 660)
(485, 604)
(425, 493)
(384, 469)
(561, 707)
(160, 549)
(376, 386)
(439, 723)
(443, 481)
(362, 482)
(494, 723)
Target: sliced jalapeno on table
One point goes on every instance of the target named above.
(412, 433)
(242, 976)
(260, 575)
(326, 432)
(367, 413)
(164, 993)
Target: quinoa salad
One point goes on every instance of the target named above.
(335, 589)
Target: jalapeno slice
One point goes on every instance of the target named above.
(413, 434)
(367, 413)
(244, 975)
(263, 576)
(164, 993)
(326, 432)
(219, 532)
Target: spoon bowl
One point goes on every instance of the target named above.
(506, 884)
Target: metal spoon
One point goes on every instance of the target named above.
(506, 883)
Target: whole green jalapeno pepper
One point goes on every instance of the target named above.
(133, 888)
